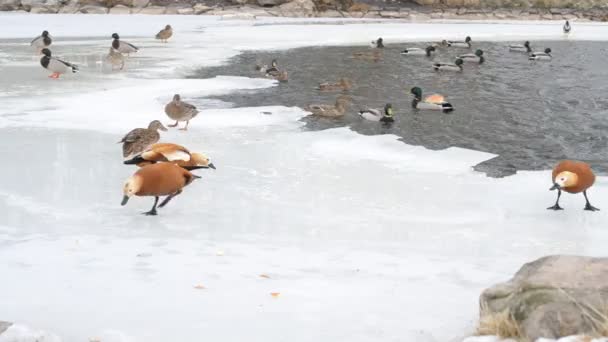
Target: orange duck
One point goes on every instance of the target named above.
(174, 153)
(573, 177)
(162, 179)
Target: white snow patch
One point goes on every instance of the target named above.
(22, 333)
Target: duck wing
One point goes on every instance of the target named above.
(132, 136)
(35, 41)
(435, 98)
(169, 152)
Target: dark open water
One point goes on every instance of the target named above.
(531, 114)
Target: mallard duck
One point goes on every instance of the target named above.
(331, 111)
(567, 27)
(264, 69)
(57, 66)
(379, 43)
(384, 115)
(122, 46)
(521, 48)
(167, 152)
(281, 75)
(419, 52)
(162, 179)
(476, 57)
(343, 84)
(42, 41)
(165, 34)
(180, 111)
(116, 59)
(457, 66)
(541, 56)
(139, 139)
(372, 56)
(573, 177)
(465, 44)
(433, 102)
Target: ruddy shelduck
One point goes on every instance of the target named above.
(573, 177)
(161, 179)
(174, 153)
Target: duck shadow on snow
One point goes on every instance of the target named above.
(529, 113)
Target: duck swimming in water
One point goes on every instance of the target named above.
(521, 48)
(122, 46)
(343, 84)
(56, 65)
(466, 44)
(573, 177)
(418, 51)
(476, 57)
(432, 102)
(42, 41)
(379, 43)
(457, 66)
(382, 115)
(331, 111)
(541, 56)
(567, 27)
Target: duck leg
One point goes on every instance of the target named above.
(153, 210)
(588, 205)
(176, 122)
(185, 127)
(556, 206)
(169, 198)
(54, 75)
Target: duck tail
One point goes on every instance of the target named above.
(75, 68)
(191, 168)
(134, 161)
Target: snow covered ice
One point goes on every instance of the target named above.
(364, 237)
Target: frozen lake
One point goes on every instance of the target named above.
(365, 238)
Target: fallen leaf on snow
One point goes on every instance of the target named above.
(275, 294)
(264, 276)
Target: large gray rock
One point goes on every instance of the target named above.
(153, 10)
(298, 8)
(553, 297)
(92, 9)
(270, 3)
(4, 325)
(9, 5)
(120, 9)
(200, 8)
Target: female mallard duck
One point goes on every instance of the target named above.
(122, 46)
(165, 34)
(173, 153)
(116, 59)
(57, 66)
(433, 102)
(180, 111)
(521, 48)
(139, 139)
(42, 41)
(379, 43)
(573, 177)
(541, 56)
(567, 27)
(466, 44)
(457, 66)
(331, 111)
(343, 84)
(418, 51)
(371, 56)
(477, 57)
(383, 115)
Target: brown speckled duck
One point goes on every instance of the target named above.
(342, 85)
(116, 59)
(139, 139)
(331, 111)
(180, 111)
(165, 34)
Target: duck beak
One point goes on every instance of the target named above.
(163, 128)
(125, 199)
(211, 166)
(555, 187)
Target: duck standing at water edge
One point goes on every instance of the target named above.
(573, 177)
(57, 66)
(379, 43)
(42, 41)
(139, 139)
(165, 34)
(567, 27)
(433, 102)
(179, 110)
(122, 46)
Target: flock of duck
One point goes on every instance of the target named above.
(165, 168)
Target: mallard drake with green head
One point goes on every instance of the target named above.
(541, 56)
(378, 43)
(122, 46)
(179, 110)
(432, 102)
(457, 66)
(140, 139)
(466, 44)
(382, 115)
(567, 27)
(476, 57)
(428, 51)
(521, 48)
(42, 41)
(56, 65)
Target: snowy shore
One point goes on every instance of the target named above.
(363, 237)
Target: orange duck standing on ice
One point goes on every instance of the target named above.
(573, 177)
